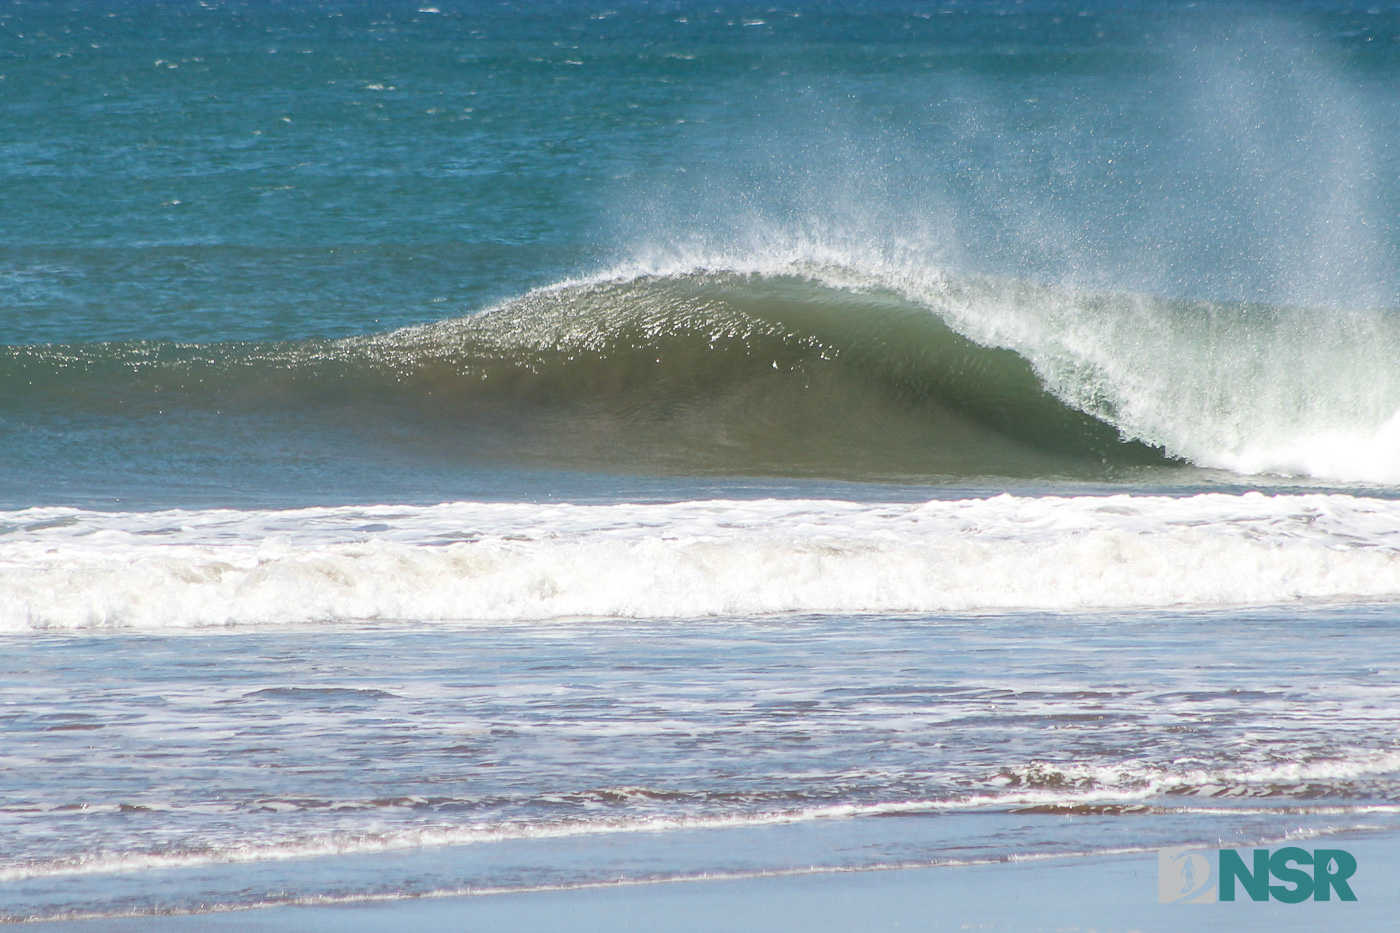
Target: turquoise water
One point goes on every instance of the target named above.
(458, 446)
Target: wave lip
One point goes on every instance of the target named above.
(69, 569)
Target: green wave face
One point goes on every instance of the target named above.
(699, 373)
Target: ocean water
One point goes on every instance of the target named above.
(466, 446)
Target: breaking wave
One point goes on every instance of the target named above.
(798, 368)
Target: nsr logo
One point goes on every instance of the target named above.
(1192, 876)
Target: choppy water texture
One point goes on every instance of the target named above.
(479, 446)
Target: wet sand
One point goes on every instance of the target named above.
(1088, 893)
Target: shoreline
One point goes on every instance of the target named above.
(1101, 891)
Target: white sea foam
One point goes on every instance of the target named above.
(1148, 778)
(70, 569)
